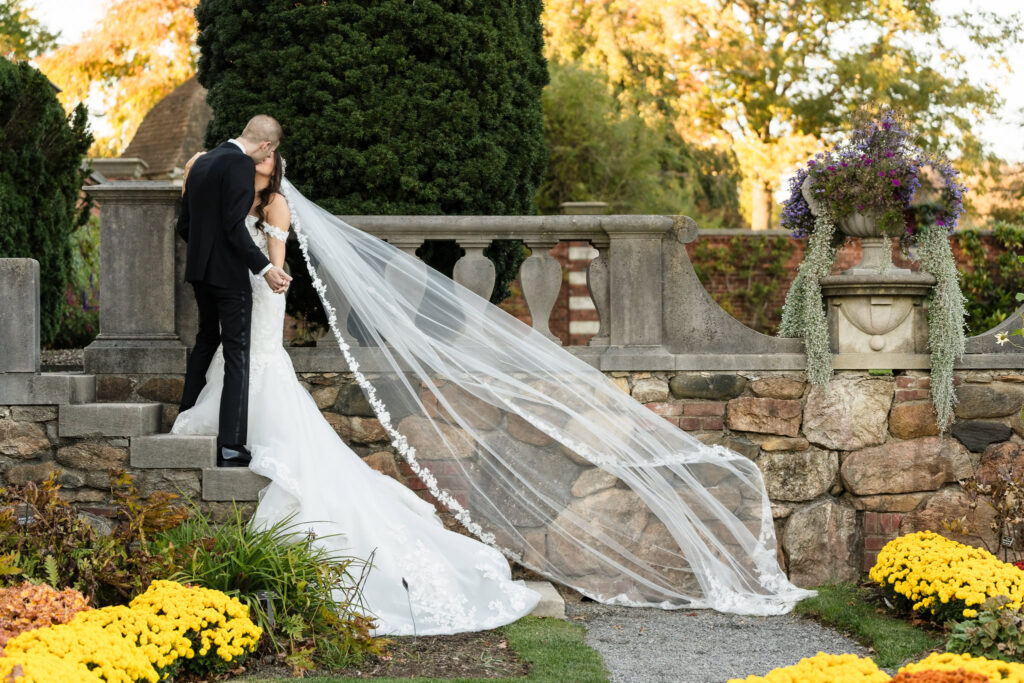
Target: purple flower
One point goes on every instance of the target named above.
(896, 182)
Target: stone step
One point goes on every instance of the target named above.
(232, 483)
(551, 603)
(177, 451)
(46, 388)
(109, 419)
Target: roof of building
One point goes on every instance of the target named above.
(172, 131)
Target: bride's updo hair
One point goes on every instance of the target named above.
(265, 195)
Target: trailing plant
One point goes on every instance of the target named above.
(996, 633)
(803, 314)
(991, 277)
(45, 539)
(307, 601)
(877, 173)
(738, 262)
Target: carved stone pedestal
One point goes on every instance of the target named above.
(877, 313)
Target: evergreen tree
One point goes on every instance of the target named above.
(392, 106)
(40, 181)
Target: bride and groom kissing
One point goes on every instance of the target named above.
(220, 191)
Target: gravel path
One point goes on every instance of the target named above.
(699, 646)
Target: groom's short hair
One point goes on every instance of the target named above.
(262, 128)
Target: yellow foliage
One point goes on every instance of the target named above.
(139, 52)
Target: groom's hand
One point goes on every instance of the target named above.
(277, 279)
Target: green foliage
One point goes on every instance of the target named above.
(304, 598)
(601, 151)
(990, 279)
(43, 538)
(996, 633)
(737, 262)
(803, 314)
(40, 181)
(946, 304)
(391, 107)
(81, 320)
(21, 34)
(847, 607)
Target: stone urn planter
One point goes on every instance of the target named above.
(874, 244)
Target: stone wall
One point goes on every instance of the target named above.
(845, 472)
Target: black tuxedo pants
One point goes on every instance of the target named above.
(225, 316)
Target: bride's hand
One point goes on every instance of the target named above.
(277, 279)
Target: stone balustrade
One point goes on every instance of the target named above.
(654, 313)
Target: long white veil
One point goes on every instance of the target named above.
(535, 451)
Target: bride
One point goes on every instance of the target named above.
(536, 453)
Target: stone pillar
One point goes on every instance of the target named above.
(541, 278)
(635, 282)
(19, 315)
(138, 297)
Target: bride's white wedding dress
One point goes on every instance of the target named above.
(455, 583)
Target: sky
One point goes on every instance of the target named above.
(1004, 133)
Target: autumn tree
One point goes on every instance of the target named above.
(770, 78)
(21, 34)
(139, 52)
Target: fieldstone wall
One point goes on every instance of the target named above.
(846, 470)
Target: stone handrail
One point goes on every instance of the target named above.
(654, 313)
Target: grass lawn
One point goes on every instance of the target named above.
(554, 649)
(848, 607)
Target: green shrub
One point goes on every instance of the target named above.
(81, 320)
(306, 600)
(390, 107)
(996, 633)
(990, 281)
(40, 181)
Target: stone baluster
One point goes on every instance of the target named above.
(138, 315)
(474, 271)
(597, 283)
(541, 278)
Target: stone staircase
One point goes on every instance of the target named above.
(79, 416)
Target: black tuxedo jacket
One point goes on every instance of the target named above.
(219, 192)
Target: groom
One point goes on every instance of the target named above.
(219, 193)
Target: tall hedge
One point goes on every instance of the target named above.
(391, 106)
(40, 180)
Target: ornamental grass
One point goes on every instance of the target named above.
(942, 579)
(935, 668)
(167, 629)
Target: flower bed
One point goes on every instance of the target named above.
(945, 579)
(27, 607)
(826, 668)
(161, 630)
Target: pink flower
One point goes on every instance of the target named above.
(896, 182)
